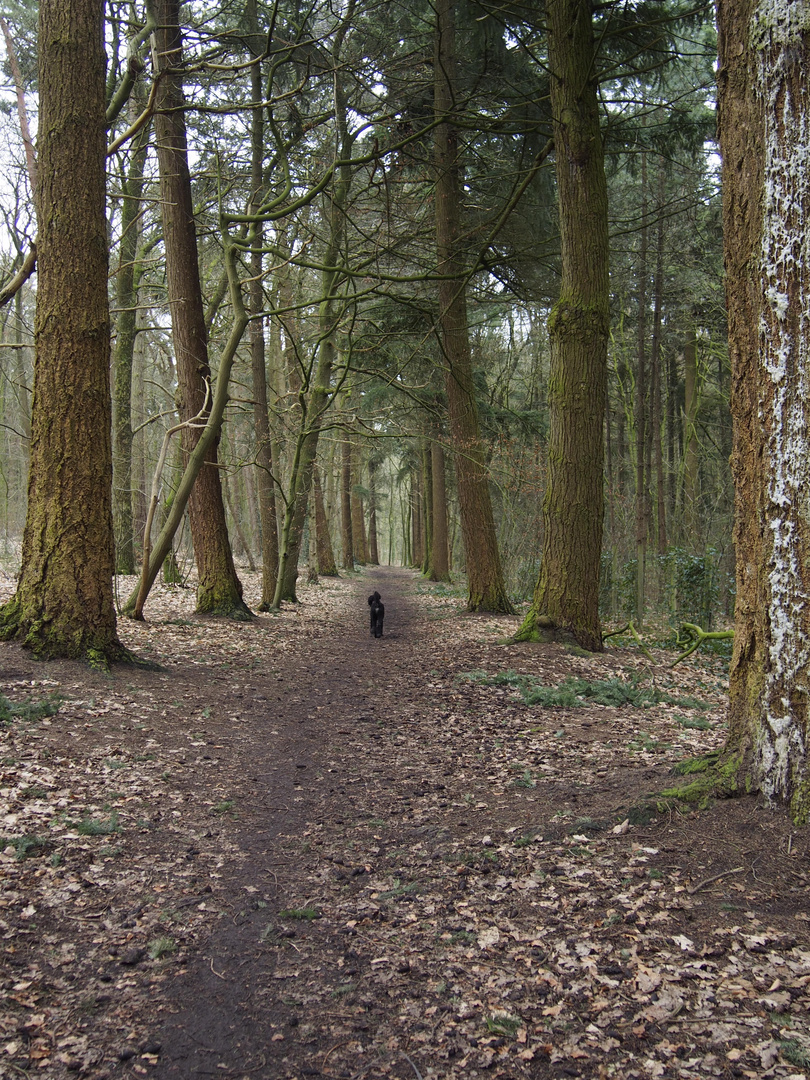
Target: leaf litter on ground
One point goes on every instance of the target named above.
(391, 868)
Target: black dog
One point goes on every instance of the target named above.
(377, 614)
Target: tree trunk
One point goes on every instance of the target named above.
(326, 558)
(219, 591)
(439, 569)
(373, 551)
(63, 606)
(566, 599)
(261, 421)
(656, 371)
(690, 468)
(764, 84)
(642, 476)
(346, 521)
(486, 590)
(126, 297)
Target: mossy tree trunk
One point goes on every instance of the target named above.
(486, 590)
(566, 599)
(764, 99)
(63, 606)
(219, 591)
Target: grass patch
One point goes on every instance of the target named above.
(503, 1024)
(25, 846)
(28, 710)
(399, 889)
(90, 826)
(573, 692)
(793, 1051)
(306, 913)
(160, 947)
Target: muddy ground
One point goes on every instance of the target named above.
(296, 851)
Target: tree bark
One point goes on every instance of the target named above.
(486, 590)
(346, 519)
(764, 99)
(219, 591)
(63, 606)
(326, 557)
(566, 600)
(126, 297)
(439, 569)
(261, 419)
(690, 468)
(373, 551)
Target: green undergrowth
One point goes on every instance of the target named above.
(28, 710)
(573, 692)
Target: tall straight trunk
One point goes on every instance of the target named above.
(258, 361)
(439, 568)
(690, 470)
(358, 509)
(486, 590)
(326, 558)
(126, 298)
(373, 551)
(764, 99)
(566, 600)
(656, 371)
(219, 591)
(427, 501)
(346, 519)
(641, 418)
(63, 606)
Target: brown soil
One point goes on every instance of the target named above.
(296, 851)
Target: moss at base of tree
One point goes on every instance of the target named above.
(800, 804)
(542, 629)
(715, 777)
(229, 607)
(48, 640)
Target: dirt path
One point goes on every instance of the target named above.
(298, 851)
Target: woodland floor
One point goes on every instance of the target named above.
(296, 851)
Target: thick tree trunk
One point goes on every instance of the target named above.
(486, 590)
(63, 606)
(764, 84)
(219, 591)
(566, 599)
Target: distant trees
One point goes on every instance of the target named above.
(379, 259)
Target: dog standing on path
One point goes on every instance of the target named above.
(377, 614)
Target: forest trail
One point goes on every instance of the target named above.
(297, 851)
